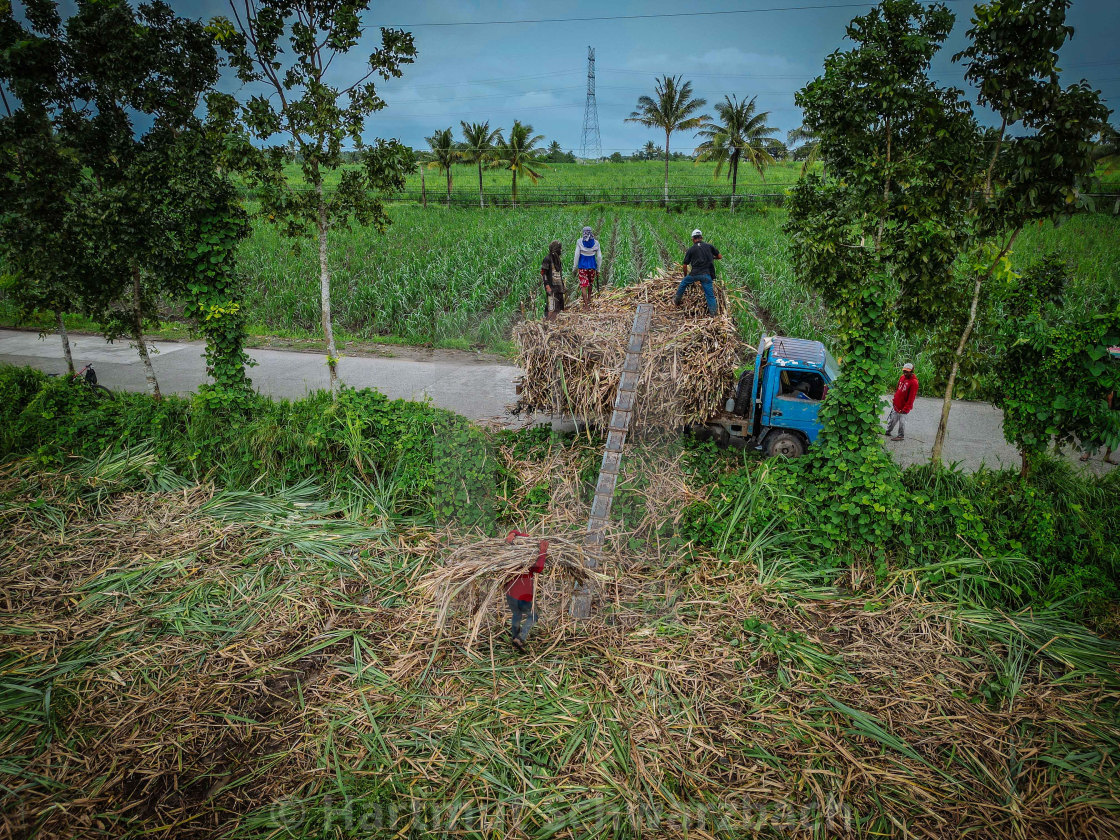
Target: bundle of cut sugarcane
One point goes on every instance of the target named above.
(475, 576)
(573, 364)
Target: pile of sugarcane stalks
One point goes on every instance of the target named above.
(573, 364)
(475, 576)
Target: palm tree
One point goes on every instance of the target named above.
(444, 155)
(517, 153)
(809, 143)
(741, 135)
(479, 142)
(671, 108)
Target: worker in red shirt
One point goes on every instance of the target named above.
(904, 396)
(519, 595)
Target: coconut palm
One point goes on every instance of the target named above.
(479, 147)
(809, 143)
(741, 135)
(518, 154)
(671, 108)
(445, 154)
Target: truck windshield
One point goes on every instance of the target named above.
(831, 366)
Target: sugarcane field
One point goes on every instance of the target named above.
(599, 421)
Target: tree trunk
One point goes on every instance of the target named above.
(481, 200)
(325, 289)
(449, 186)
(666, 171)
(1025, 464)
(138, 335)
(734, 181)
(65, 343)
(947, 400)
(423, 189)
(515, 188)
(992, 163)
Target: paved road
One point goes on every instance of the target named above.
(461, 382)
(475, 386)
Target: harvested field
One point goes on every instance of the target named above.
(182, 662)
(573, 364)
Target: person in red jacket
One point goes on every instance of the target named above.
(519, 595)
(903, 401)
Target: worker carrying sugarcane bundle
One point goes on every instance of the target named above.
(520, 592)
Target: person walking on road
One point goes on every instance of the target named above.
(587, 263)
(552, 277)
(699, 261)
(519, 595)
(904, 396)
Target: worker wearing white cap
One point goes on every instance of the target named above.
(699, 260)
(904, 396)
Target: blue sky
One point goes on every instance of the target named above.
(536, 72)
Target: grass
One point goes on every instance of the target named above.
(591, 182)
(186, 661)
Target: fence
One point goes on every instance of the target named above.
(708, 198)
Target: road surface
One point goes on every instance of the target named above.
(476, 386)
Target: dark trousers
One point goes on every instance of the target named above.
(705, 283)
(524, 617)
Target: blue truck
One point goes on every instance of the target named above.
(775, 404)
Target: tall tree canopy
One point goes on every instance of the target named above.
(672, 108)
(283, 50)
(479, 146)
(116, 93)
(741, 134)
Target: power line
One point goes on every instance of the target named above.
(808, 7)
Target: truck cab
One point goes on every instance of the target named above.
(775, 405)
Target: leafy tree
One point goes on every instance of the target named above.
(650, 151)
(39, 195)
(777, 149)
(873, 110)
(479, 146)
(616, 157)
(741, 135)
(286, 48)
(116, 91)
(1012, 60)
(445, 154)
(1054, 371)
(518, 154)
(671, 108)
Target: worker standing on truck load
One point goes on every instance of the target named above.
(904, 396)
(519, 595)
(587, 262)
(552, 276)
(700, 262)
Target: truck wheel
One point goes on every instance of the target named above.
(744, 393)
(784, 444)
(700, 433)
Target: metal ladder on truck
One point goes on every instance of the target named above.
(621, 418)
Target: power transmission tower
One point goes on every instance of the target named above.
(591, 147)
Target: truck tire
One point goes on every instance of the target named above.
(785, 445)
(744, 393)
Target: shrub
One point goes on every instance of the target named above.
(443, 465)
